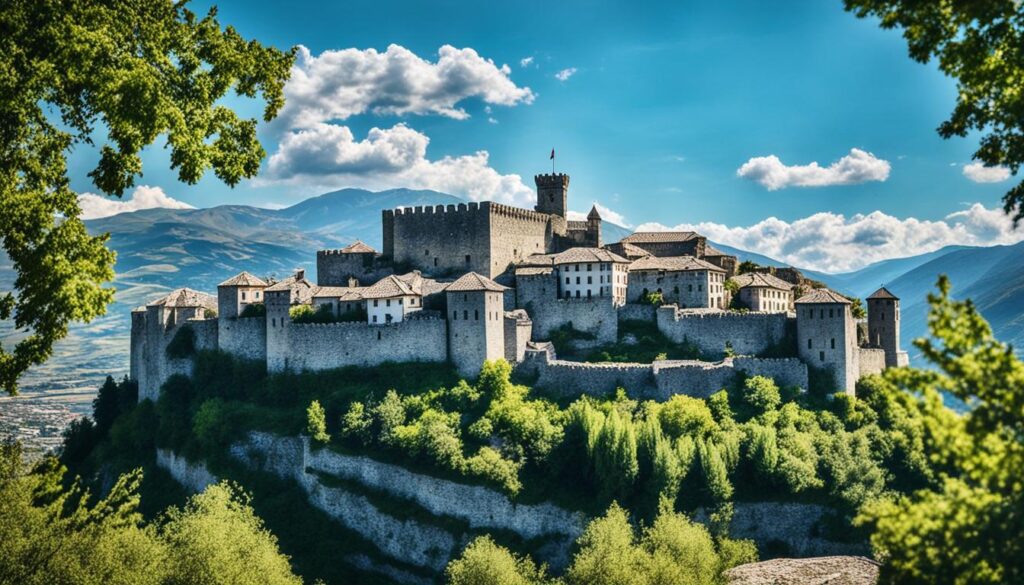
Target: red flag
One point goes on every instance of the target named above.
(552, 154)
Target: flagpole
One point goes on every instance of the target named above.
(552, 161)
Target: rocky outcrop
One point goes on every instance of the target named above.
(816, 571)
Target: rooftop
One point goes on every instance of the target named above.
(358, 247)
(243, 279)
(883, 293)
(389, 287)
(593, 213)
(576, 255)
(761, 279)
(657, 237)
(471, 281)
(186, 298)
(710, 250)
(672, 264)
(823, 295)
(343, 293)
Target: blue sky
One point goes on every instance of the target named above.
(663, 106)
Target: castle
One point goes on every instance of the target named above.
(481, 281)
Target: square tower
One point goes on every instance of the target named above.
(884, 325)
(827, 336)
(476, 322)
(552, 194)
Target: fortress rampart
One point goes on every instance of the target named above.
(321, 346)
(149, 364)
(746, 333)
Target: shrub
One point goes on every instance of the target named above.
(485, 563)
(307, 314)
(488, 464)
(316, 422)
(357, 423)
(761, 393)
(653, 298)
(686, 415)
(481, 429)
(183, 344)
(614, 456)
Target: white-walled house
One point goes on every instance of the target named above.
(682, 280)
(764, 292)
(389, 300)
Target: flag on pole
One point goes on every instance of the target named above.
(552, 154)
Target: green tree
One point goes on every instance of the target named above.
(316, 422)
(123, 73)
(966, 526)
(608, 554)
(485, 563)
(615, 462)
(981, 45)
(761, 393)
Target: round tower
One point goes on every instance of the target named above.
(884, 324)
(552, 194)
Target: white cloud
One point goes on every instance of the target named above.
(339, 84)
(492, 120)
(328, 155)
(834, 243)
(857, 167)
(526, 61)
(144, 197)
(979, 173)
(606, 214)
(565, 74)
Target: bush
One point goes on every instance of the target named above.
(254, 310)
(761, 393)
(685, 415)
(488, 464)
(653, 298)
(183, 344)
(485, 563)
(307, 314)
(316, 422)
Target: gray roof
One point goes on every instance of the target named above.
(533, 270)
(186, 298)
(302, 290)
(654, 237)
(883, 293)
(471, 281)
(672, 264)
(578, 255)
(342, 293)
(761, 279)
(593, 213)
(710, 250)
(243, 279)
(389, 287)
(630, 250)
(823, 296)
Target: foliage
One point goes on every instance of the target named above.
(123, 74)
(964, 526)
(485, 563)
(316, 422)
(563, 337)
(653, 298)
(981, 45)
(732, 286)
(748, 266)
(650, 345)
(254, 310)
(53, 531)
(306, 314)
(761, 394)
(183, 344)
(857, 309)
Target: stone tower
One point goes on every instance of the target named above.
(884, 325)
(237, 292)
(827, 336)
(476, 322)
(552, 194)
(594, 228)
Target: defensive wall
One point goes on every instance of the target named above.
(515, 234)
(871, 361)
(655, 381)
(596, 316)
(711, 330)
(438, 239)
(420, 337)
(149, 364)
(245, 337)
(637, 312)
(334, 268)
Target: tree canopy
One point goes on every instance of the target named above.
(981, 45)
(121, 73)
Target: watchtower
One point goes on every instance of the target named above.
(827, 336)
(476, 322)
(884, 324)
(552, 194)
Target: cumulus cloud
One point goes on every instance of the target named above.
(565, 74)
(144, 197)
(526, 61)
(606, 214)
(979, 173)
(857, 167)
(328, 155)
(336, 85)
(835, 243)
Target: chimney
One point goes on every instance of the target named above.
(300, 274)
(353, 282)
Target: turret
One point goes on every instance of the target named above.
(476, 322)
(594, 227)
(237, 292)
(827, 336)
(884, 325)
(552, 194)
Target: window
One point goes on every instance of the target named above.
(375, 302)
(590, 280)
(435, 261)
(387, 303)
(577, 280)
(821, 313)
(465, 314)
(577, 294)
(590, 267)
(378, 333)
(375, 320)
(243, 295)
(465, 297)
(588, 293)
(426, 252)
(690, 288)
(566, 280)
(476, 315)
(467, 259)
(821, 355)
(830, 315)
(833, 343)
(808, 343)
(455, 315)
(273, 322)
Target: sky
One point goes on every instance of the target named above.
(793, 129)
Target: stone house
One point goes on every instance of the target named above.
(682, 280)
(764, 293)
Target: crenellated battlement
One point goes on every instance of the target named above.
(551, 180)
(518, 213)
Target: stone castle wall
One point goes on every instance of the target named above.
(333, 268)
(871, 361)
(597, 316)
(150, 366)
(748, 333)
(658, 380)
(243, 337)
(437, 239)
(637, 312)
(320, 346)
(515, 234)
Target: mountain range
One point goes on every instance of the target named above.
(161, 249)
